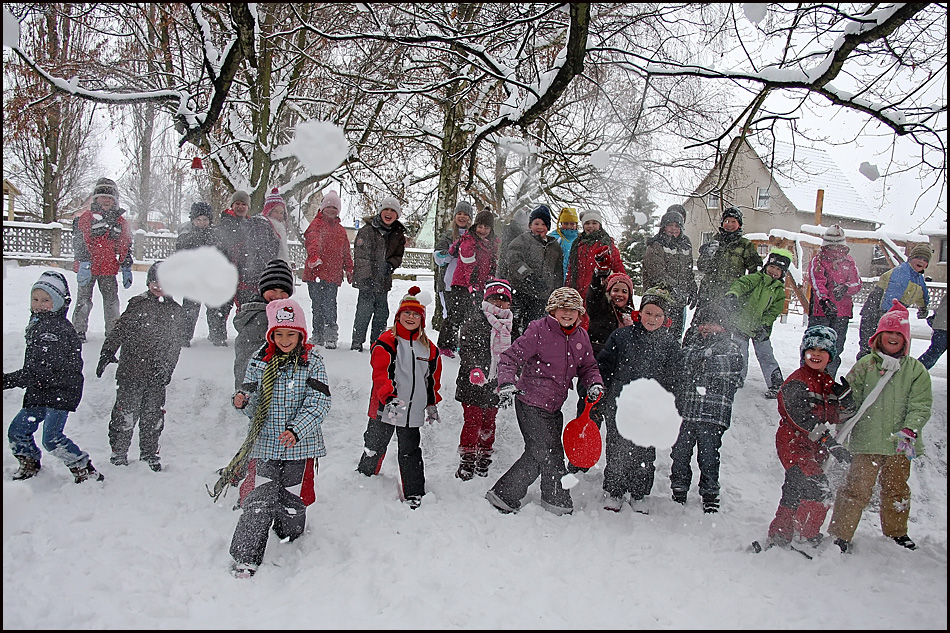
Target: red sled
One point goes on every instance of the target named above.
(581, 439)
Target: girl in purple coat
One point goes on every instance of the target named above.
(551, 352)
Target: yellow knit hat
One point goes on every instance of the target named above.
(568, 214)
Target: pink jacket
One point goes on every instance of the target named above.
(833, 267)
(476, 260)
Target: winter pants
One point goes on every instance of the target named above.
(840, 326)
(109, 289)
(543, 457)
(870, 316)
(678, 319)
(525, 308)
(323, 300)
(371, 304)
(892, 471)
(26, 422)
(140, 402)
(271, 503)
(459, 306)
(630, 468)
(707, 437)
(938, 345)
(763, 352)
(478, 431)
(411, 467)
(217, 322)
(803, 506)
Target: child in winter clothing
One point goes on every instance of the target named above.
(535, 268)
(52, 377)
(551, 352)
(447, 258)
(407, 373)
(810, 404)
(566, 232)
(645, 349)
(250, 321)
(591, 247)
(905, 283)
(485, 336)
(938, 340)
(725, 259)
(201, 233)
(834, 279)
(893, 392)
(377, 252)
(756, 300)
(668, 261)
(275, 210)
(287, 399)
(328, 260)
(149, 334)
(707, 379)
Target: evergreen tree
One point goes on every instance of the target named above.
(638, 226)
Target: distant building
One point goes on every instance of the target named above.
(781, 196)
(938, 265)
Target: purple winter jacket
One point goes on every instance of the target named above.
(832, 266)
(549, 360)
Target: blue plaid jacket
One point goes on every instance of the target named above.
(300, 402)
(713, 364)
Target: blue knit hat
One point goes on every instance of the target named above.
(820, 337)
(54, 284)
(543, 212)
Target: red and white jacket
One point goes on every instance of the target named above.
(805, 401)
(107, 238)
(406, 369)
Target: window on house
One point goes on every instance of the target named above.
(943, 251)
(762, 198)
(712, 201)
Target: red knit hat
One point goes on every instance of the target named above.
(619, 278)
(272, 200)
(414, 301)
(897, 319)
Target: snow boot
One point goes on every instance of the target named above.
(82, 473)
(711, 503)
(809, 518)
(28, 467)
(482, 463)
(356, 347)
(414, 501)
(243, 570)
(679, 496)
(612, 503)
(500, 504)
(845, 546)
(904, 541)
(119, 459)
(330, 345)
(466, 469)
(771, 393)
(640, 505)
(153, 463)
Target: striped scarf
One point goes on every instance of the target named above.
(240, 460)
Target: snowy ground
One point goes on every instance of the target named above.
(150, 550)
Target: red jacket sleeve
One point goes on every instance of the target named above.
(384, 388)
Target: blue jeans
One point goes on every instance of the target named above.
(938, 345)
(708, 438)
(26, 422)
(323, 300)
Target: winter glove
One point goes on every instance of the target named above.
(84, 276)
(395, 411)
(709, 249)
(602, 256)
(837, 451)
(905, 442)
(922, 313)
(843, 391)
(594, 392)
(432, 414)
(127, 277)
(104, 361)
(506, 395)
(762, 334)
(839, 292)
(828, 307)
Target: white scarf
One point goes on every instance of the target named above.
(500, 320)
(283, 252)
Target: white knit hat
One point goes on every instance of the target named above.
(834, 236)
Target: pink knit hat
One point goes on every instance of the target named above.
(619, 278)
(272, 200)
(332, 199)
(285, 313)
(897, 319)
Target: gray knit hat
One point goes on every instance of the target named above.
(820, 337)
(390, 203)
(54, 284)
(241, 196)
(106, 187)
(833, 236)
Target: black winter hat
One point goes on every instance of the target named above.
(712, 313)
(152, 274)
(277, 274)
(673, 216)
(732, 212)
(201, 208)
(543, 212)
(486, 218)
(780, 258)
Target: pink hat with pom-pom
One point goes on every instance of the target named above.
(897, 319)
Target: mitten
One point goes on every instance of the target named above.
(843, 391)
(506, 395)
(602, 256)
(315, 263)
(395, 411)
(477, 377)
(594, 392)
(828, 307)
(905, 442)
(432, 414)
(839, 292)
(84, 276)
(837, 451)
(104, 361)
(709, 249)
(127, 277)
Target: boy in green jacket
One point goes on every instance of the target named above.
(755, 301)
(886, 433)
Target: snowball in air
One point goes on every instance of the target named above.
(201, 274)
(321, 147)
(600, 159)
(869, 171)
(755, 11)
(647, 415)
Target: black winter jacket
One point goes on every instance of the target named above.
(149, 333)
(475, 351)
(631, 353)
(195, 237)
(377, 252)
(52, 364)
(603, 316)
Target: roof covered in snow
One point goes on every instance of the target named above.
(801, 171)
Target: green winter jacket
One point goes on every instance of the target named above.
(905, 402)
(735, 257)
(761, 299)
